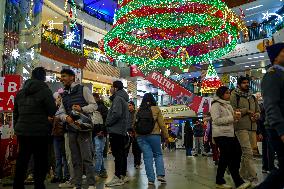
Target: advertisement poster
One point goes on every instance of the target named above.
(9, 86)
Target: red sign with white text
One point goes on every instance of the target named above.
(9, 86)
(176, 91)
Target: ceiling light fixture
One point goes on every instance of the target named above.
(249, 58)
(254, 7)
(246, 66)
(252, 65)
(255, 57)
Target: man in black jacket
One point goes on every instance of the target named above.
(117, 124)
(273, 96)
(33, 105)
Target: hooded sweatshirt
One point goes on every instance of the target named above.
(222, 114)
(33, 104)
(118, 119)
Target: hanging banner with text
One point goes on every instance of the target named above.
(9, 86)
(176, 91)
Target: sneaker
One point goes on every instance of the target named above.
(137, 167)
(84, 177)
(265, 171)
(151, 183)
(103, 174)
(162, 179)
(30, 179)
(245, 185)
(67, 184)
(91, 187)
(223, 186)
(125, 179)
(115, 182)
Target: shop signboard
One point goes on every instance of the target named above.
(177, 111)
(9, 86)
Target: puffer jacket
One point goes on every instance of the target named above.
(245, 104)
(33, 104)
(222, 114)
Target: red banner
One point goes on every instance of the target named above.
(135, 72)
(176, 91)
(9, 86)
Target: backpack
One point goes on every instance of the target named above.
(144, 123)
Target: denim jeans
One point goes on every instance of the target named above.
(99, 143)
(275, 178)
(60, 157)
(188, 151)
(150, 146)
(198, 145)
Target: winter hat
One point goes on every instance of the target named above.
(274, 50)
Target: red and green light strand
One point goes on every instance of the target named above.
(205, 30)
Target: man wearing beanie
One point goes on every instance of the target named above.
(273, 96)
(117, 123)
(33, 105)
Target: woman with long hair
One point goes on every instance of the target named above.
(150, 144)
(223, 118)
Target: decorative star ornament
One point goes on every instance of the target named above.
(167, 73)
(15, 53)
(266, 16)
(51, 25)
(69, 38)
(32, 53)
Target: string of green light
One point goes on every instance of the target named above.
(136, 4)
(175, 62)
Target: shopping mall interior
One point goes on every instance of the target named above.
(181, 51)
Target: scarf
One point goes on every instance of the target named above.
(243, 94)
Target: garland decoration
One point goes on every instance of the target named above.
(183, 32)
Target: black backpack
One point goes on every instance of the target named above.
(144, 123)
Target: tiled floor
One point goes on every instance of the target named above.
(182, 173)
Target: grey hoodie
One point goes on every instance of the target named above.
(118, 118)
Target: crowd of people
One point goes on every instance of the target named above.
(79, 123)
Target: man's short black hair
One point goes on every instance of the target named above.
(118, 85)
(68, 72)
(241, 79)
(39, 73)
